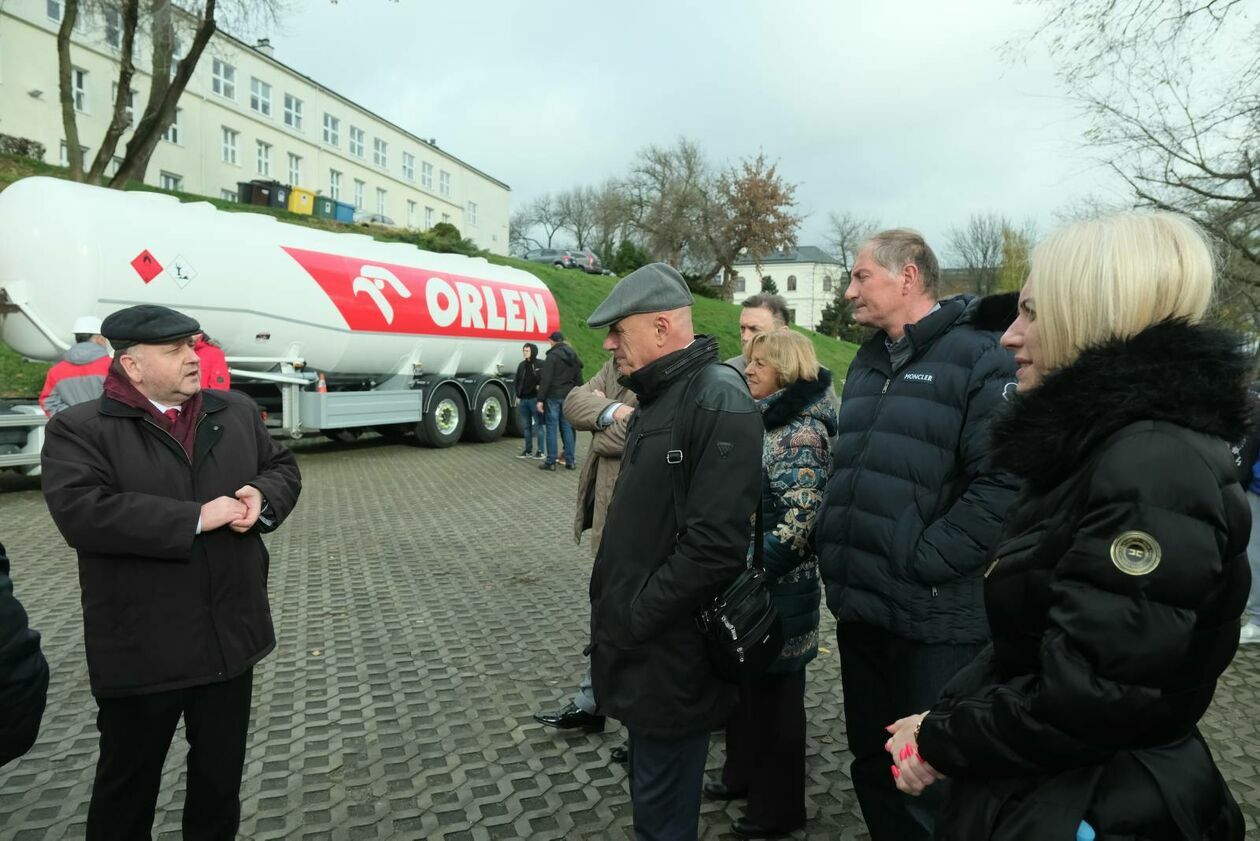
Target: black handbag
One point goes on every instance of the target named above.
(741, 627)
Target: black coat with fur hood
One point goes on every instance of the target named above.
(1113, 599)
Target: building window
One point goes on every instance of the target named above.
(358, 194)
(471, 215)
(409, 166)
(172, 133)
(334, 184)
(428, 218)
(426, 176)
(411, 214)
(264, 158)
(54, 10)
(113, 27)
(827, 283)
(170, 181)
(741, 285)
(295, 169)
(444, 183)
(380, 201)
(260, 96)
(332, 130)
(177, 56)
(380, 153)
(78, 85)
(791, 283)
(446, 218)
(292, 112)
(791, 316)
(356, 142)
(129, 108)
(223, 79)
(228, 195)
(65, 155)
(228, 152)
(115, 164)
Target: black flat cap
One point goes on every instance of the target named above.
(147, 324)
(656, 287)
(556, 336)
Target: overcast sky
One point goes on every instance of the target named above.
(906, 111)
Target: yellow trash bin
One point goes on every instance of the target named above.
(301, 201)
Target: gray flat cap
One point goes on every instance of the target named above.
(656, 287)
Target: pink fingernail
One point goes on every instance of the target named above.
(895, 772)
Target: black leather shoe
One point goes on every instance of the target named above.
(745, 828)
(571, 718)
(718, 791)
(621, 754)
(547, 466)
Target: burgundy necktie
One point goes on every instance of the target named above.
(173, 414)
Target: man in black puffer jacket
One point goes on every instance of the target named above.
(561, 373)
(912, 508)
(23, 674)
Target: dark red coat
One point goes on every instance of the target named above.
(163, 607)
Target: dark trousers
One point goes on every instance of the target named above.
(765, 750)
(136, 733)
(885, 678)
(666, 777)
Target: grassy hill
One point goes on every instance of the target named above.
(577, 294)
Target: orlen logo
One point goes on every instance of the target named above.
(389, 298)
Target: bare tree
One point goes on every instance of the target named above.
(977, 248)
(1017, 246)
(845, 234)
(577, 211)
(520, 228)
(545, 213)
(169, 74)
(612, 218)
(667, 190)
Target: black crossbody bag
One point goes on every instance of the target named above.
(741, 627)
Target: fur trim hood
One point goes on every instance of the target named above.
(803, 397)
(1190, 375)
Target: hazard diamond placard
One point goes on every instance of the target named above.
(146, 265)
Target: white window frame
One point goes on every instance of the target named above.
(54, 10)
(170, 181)
(426, 175)
(334, 185)
(229, 195)
(409, 166)
(259, 96)
(357, 136)
(380, 153)
(428, 218)
(380, 201)
(228, 145)
(223, 79)
(113, 27)
(171, 135)
(411, 213)
(446, 217)
(292, 112)
(444, 183)
(359, 187)
(295, 169)
(263, 163)
(65, 154)
(78, 86)
(471, 215)
(332, 130)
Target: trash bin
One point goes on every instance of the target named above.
(254, 192)
(325, 208)
(301, 201)
(345, 212)
(280, 195)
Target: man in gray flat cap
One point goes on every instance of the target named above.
(164, 492)
(676, 536)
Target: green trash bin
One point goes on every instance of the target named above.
(325, 207)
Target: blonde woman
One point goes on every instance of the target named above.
(1115, 594)
(765, 734)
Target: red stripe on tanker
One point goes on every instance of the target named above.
(392, 298)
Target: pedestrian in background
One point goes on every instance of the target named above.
(561, 373)
(1115, 592)
(765, 734)
(23, 673)
(528, 376)
(80, 375)
(214, 367)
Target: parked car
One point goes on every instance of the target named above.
(557, 257)
(587, 261)
(362, 217)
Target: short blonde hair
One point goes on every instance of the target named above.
(1114, 276)
(790, 354)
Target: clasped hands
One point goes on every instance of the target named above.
(238, 514)
(910, 772)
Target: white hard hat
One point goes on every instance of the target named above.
(89, 324)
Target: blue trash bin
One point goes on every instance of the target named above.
(344, 212)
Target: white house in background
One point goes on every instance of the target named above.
(806, 276)
(244, 115)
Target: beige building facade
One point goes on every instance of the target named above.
(244, 115)
(806, 276)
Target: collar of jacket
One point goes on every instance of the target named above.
(874, 352)
(650, 381)
(1189, 375)
(787, 404)
(109, 406)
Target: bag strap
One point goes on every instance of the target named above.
(680, 476)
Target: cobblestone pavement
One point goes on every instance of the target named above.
(427, 602)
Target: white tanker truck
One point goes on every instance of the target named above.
(330, 333)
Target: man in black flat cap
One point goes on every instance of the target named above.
(164, 492)
(676, 535)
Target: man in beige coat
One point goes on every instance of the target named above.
(602, 406)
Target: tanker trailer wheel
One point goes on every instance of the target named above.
(489, 418)
(444, 422)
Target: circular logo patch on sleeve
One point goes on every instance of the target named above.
(1135, 553)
